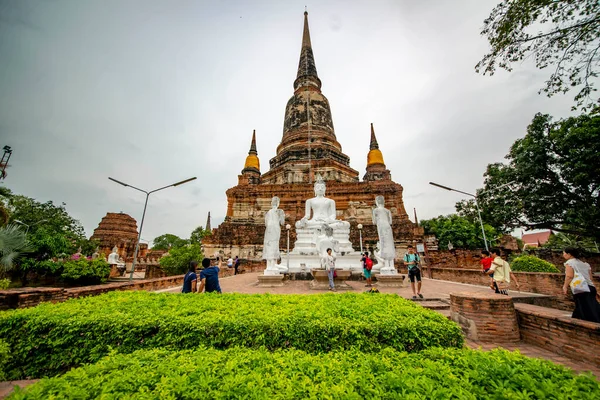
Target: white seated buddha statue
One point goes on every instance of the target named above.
(321, 209)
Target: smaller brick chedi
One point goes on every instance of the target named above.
(120, 230)
(309, 146)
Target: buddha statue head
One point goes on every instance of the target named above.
(319, 186)
(275, 202)
(380, 201)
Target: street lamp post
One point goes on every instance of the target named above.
(476, 205)
(137, 244)
(360, 236)
(287, 227)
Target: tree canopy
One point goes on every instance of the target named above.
(462, 232)
(551, 180)
(50, 229)
(562, 35)
(168, 241)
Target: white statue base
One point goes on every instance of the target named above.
(305, 263)
(306, 241)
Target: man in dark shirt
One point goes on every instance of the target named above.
(190, 279)
(236, 265)
(209, 277)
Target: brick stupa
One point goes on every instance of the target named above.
(118, 229)
(308, 147)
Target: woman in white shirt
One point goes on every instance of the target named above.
(586, 305)
(330, 266)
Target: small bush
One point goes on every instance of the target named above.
(292, 374)
(4, 358)
(52, 338)
(4, 283)
(85, 271)
(532, 264)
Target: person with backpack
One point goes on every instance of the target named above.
(412, 260)
(367, 264)
(578, 276)
(190, 279)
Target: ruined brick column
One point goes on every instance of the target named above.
(485, 317)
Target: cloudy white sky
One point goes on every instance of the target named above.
(154, 92)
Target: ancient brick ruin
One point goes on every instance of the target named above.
(118, 229)
(308, 147)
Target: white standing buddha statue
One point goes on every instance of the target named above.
(274, 218)
(382, 217)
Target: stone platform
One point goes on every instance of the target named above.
(270, 280)
(395, 280)
(306, 263)
(321, 280)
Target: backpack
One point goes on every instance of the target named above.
(369, 264)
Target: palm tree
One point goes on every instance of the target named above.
(13, 244)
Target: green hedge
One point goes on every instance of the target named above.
(291, 374)
(532, 264)
(52, 338)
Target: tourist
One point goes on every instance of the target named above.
(190, 279)
(330, 266)
(586, 304)
(367, 264)
(486, 264)
(209, 277)
(230, 262)
(501, 273)
(236, 265)
(412, 260)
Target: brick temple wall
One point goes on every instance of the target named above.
(552, 330)
(534, 282)
(242, 232)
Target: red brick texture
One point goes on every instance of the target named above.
(556, 331)
(533, 282)
(486, 318)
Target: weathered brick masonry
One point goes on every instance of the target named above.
(554, 330)
(485, 317)
(534, 282)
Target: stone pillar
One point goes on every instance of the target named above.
(485, 317)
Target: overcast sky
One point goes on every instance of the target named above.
(154, 92)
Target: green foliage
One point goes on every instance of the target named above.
(292, 374)
(560, 34)
(178, 260)
(559, 241)
(553, 177)
(51, 338)
(198, 234)
(532, 264)
(13, 244)
(4, 359)
(4, 283)
(460, 231)
(168, 241)
(84, 271)
(51, 231)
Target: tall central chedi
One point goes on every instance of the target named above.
(309, 148)
(309, 143)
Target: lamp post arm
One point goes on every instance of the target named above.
(481, 222)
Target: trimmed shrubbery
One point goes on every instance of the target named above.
(52, 338)
(526, 263)
(291, 374)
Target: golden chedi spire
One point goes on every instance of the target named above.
(376, 170)
(374, 156)
(251, 172)
(252, 160)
